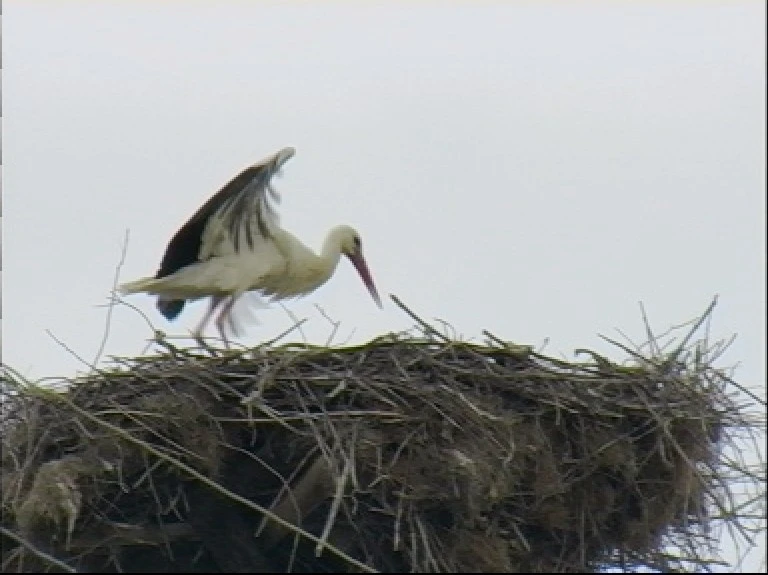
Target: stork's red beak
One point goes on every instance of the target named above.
(362, 268)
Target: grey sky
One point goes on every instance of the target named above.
(534, 169)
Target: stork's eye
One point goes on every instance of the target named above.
(358, 243)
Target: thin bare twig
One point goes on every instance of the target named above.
(334, 325)
(296, 323)
(111, 304)
(69, 350)
(37, 552)
(427, 328)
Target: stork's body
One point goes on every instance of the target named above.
(233, 244)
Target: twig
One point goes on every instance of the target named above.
(296, 323)
(652, 340)
(111, 306)
(638, 356)
(38, 552)
(341, 484)
(274, 340)
(69, 350)
(673, 356)
(427, 328)
(745, 391)
(495, 339)
(145, 317)
(335, 325)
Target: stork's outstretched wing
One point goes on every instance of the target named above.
(244, 206)
(238, 216)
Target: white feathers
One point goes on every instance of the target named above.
(234, 245)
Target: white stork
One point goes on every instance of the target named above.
(233, 244)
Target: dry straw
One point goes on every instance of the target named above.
(409, 453)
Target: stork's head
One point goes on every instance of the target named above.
(352, 246)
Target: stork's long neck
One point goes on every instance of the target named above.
(307, 269)
(330, 254)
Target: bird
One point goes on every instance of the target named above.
(234, 244)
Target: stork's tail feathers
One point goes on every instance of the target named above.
(136, 286)
(170, 308)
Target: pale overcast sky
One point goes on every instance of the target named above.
(531, 168)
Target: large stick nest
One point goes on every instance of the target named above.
(400, 455)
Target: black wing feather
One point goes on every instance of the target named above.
(236, 201)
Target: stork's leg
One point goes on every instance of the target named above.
(224, 316)
(198, 333)
(233, 324)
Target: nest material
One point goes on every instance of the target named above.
(400, 455)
